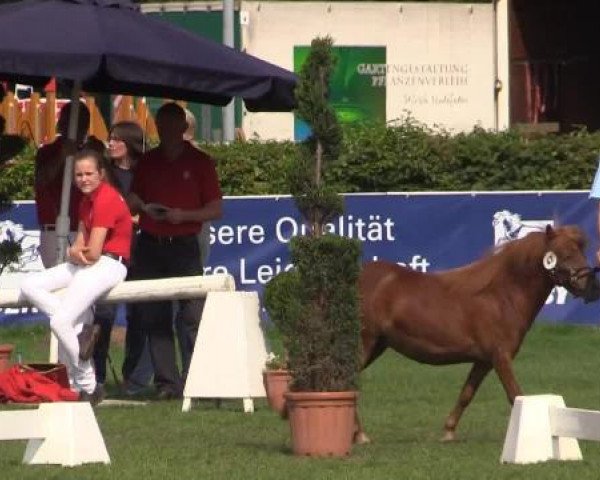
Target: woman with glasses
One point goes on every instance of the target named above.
(125, 148)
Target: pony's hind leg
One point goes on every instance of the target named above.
(372, 348)
(476, 376)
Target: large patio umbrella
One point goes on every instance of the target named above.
(108, 46)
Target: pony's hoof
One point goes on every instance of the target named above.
(449, 436)
(360, 438)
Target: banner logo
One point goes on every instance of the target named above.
(509, 226)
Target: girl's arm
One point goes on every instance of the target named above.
(95, 244)
(76, 252)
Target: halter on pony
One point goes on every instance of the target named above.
(565, 276)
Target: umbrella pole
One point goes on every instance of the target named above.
(228, 39)
(63, 223)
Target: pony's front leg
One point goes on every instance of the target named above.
(504, 370)
(476, 376)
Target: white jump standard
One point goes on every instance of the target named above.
(61, 433)
(542, 428)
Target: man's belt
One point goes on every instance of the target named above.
(167, 239)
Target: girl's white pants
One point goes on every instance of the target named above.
(69, 310)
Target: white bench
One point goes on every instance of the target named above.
(229, 354)
(174, 288)
(63, 433)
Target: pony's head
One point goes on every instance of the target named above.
(564, 259)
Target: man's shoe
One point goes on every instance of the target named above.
(100, 393)
(93, 398)
(87, 340)
(131, 389)
(168, 394)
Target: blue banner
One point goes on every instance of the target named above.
(427, 232)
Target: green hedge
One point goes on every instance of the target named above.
(16, 176)
(411, 157)
(405, 157)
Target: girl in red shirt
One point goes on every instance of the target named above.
(96, 263)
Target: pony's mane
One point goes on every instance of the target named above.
(522, 253)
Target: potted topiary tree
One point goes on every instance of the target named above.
(315, 305)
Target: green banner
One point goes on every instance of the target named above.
(355, 92)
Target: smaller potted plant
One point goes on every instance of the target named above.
(276, 378)
(6, 350)
(282, 308)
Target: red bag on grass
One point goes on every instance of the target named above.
(21, 384)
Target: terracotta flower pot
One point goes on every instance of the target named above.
(5, 352)
(321, 423)
(276, 384)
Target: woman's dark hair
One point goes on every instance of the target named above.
(132, 135)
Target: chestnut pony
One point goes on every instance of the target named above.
(476, 314)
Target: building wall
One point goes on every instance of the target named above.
(439, 58)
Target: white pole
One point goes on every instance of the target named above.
(173, 288)
(497, 83)
(502, 84)
(63, 223)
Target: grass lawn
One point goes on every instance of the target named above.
(403, 405)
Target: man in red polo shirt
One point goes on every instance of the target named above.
(175, 189)
(49, 170)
